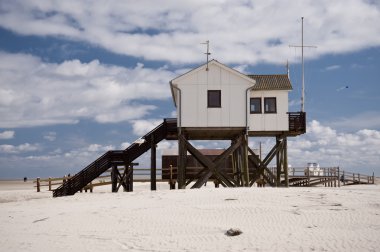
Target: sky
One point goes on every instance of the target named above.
(79, 78)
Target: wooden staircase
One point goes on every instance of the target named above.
(166, 130)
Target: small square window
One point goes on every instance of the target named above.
(255, 105)
(270, 105)
(214, 99)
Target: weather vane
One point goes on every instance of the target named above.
(208, 51)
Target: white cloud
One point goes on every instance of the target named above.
(239, 31)
(125, 145)
(141, 127)
(34, 93)
(12, 149)
(364, 120)
(8, 134)
(356, 151)
(332, 67)
(50, 136)
(99, 148)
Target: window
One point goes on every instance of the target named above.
(255, 105)
(214, 99)
(270, 105)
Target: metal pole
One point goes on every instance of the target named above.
(303, 76)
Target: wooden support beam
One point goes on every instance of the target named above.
(153, 168)
(244, 157)
(129, 177)
(212, 167)
(278, 162)
(182, 162)
(114, 178)
(285, 156)
(263, 164)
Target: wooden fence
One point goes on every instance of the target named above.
(349, 178)
(140, 175)
(300, 176)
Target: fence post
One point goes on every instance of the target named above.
(344, 179)
(171, 184)
(335, 177)
(38, 185)
(338, 176)
(49, 183)
(373, 177)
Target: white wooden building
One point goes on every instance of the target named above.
(221, 101)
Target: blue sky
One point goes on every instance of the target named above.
(80, 78)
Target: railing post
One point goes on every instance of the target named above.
(38, 185)
(338, 176)
(344, 178)
(373, 177)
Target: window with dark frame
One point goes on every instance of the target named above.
(255, 105)
(214, 99)
(270, 105)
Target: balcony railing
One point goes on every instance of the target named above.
(297, 122)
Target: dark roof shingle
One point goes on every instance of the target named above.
(271, 82)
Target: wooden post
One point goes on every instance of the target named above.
(338, 176)
(38, 185)
(49, 183)
(216, 182)
(153, 168)
(359, 177)
(244, 156)
(130, 179)
(114, 173)
(285, 157)
(278, 163)
(182, 158)
(373, 177)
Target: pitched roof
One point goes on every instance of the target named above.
(271, 82)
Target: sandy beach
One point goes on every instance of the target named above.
(271, 219)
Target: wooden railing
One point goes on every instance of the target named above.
(350, 178)
(140, 175)
(299, 176)
(166, 130)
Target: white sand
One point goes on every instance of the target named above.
(271, 219)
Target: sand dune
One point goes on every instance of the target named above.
(271, 219)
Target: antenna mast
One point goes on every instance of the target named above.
(303, 69)
(208, 51)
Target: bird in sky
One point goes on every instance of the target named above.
(341, 88)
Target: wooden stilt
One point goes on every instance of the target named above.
(212, 168)
(278, 164)
(244, 157)
(182, 160)
(38, 185)
(114, 178)
(153, 168)
(285, 156)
